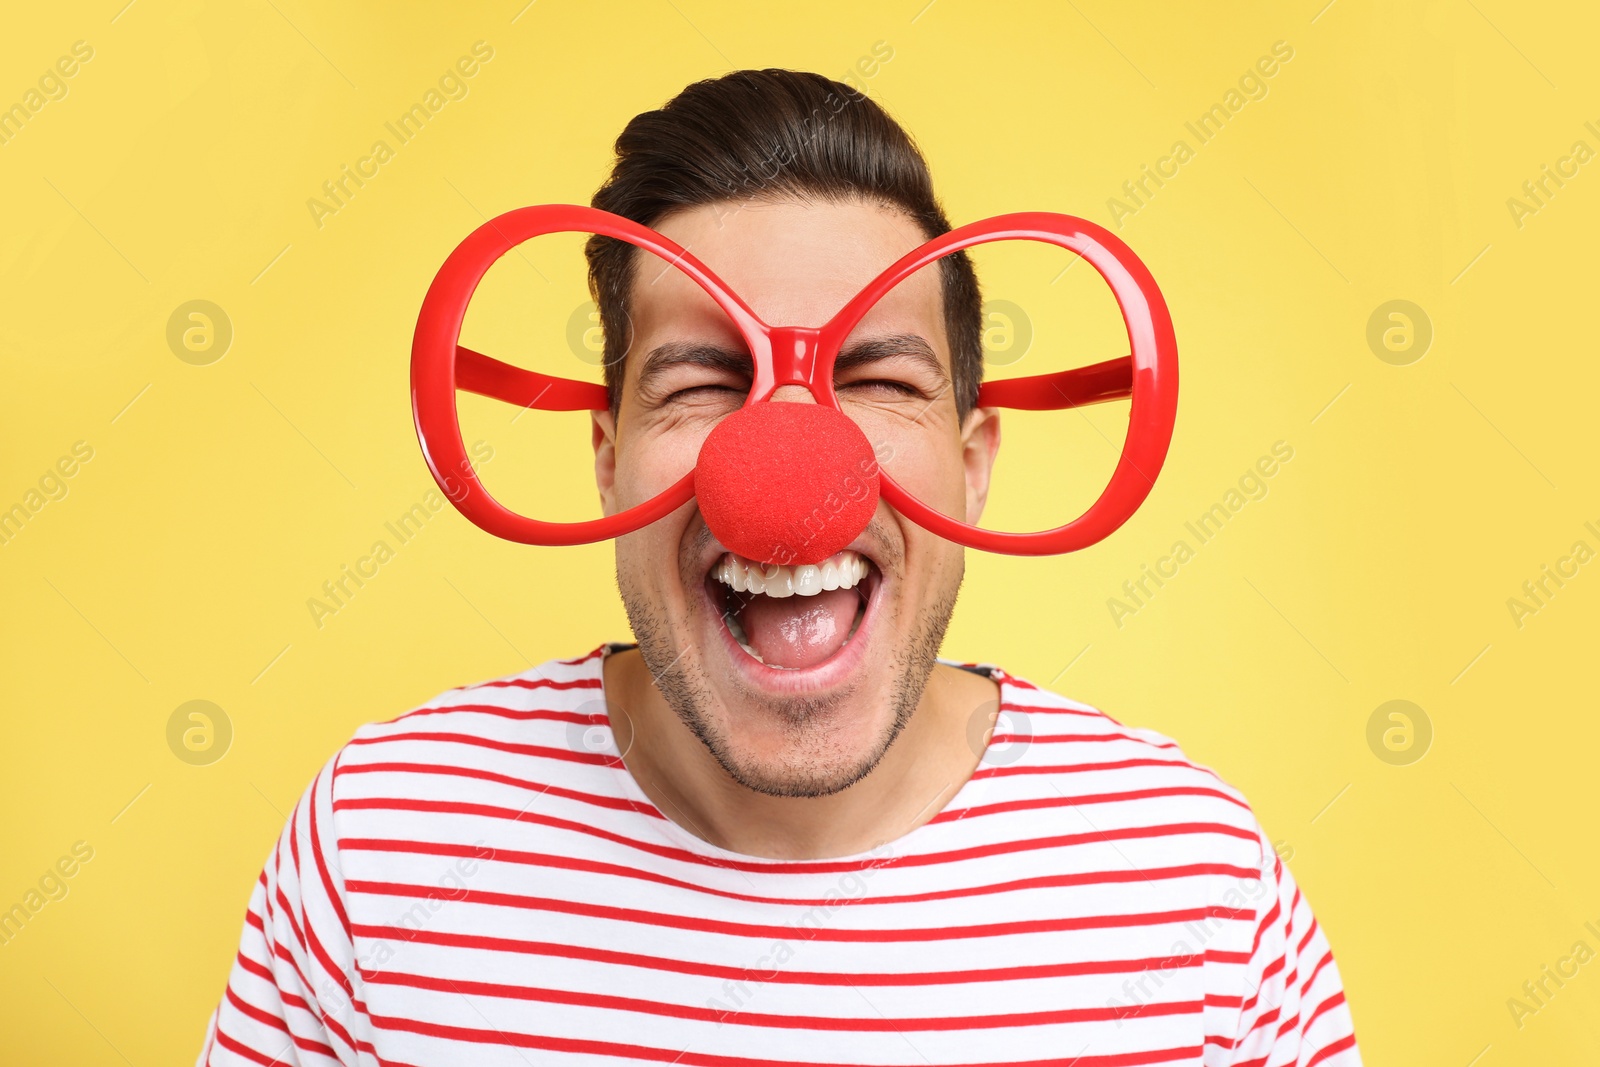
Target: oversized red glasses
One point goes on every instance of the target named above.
(804, 356)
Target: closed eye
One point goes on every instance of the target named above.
(705, 392)
(890, 384)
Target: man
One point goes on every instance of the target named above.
(803, 840)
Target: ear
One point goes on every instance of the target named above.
(980, 442)
(604, 438)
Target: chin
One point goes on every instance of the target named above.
(802, 746)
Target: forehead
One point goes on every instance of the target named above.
(793, 263)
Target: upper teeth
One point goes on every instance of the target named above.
(840, 571)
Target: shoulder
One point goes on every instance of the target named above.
(1112, 772)
(491, 738)
(548, 692)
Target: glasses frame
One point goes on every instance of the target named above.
(797, 355)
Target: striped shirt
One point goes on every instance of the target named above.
(481, 881)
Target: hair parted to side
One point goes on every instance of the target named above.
(770, 135)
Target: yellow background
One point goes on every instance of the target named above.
(1378, 566)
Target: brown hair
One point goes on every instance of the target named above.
(769, 135)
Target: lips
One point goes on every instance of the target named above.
(793, 618)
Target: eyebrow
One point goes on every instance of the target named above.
(671, 354)
(737, 361)
(910, 345)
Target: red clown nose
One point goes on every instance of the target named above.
(786, 483)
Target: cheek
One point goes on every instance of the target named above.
(647, 566)
(927, 464)
(933, 571)
(650, 464)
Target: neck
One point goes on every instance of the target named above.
(931, 759)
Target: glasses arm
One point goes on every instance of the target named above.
(487, 376)
(1078, 387)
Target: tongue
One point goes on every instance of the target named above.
(799, 631)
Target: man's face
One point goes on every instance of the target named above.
(796, 695)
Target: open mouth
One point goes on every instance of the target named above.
(793, 617)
